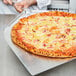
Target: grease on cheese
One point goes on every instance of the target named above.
(50, 32)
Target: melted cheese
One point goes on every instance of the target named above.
(42, 32)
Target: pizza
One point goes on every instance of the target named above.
(50, 34)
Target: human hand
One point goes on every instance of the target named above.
(24, 4)
(8, 2)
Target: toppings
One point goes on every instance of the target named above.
(51, 32)
(53, 28)
(51, 46)
(61, 36)
(37, 40)
(36, 27)
(33, 30)
(46, 41)
(44, 30)
(74, 18)
(44, 45)
(67, 31)
(63, 45)
(74, 38)
(48, 35)
(57, 20)
(66, 24)
(74, 25)
(56, 32)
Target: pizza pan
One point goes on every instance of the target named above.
(33, 63)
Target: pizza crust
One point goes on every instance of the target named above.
(71, 52)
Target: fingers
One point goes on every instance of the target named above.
(5, 1)
(8, 2)
(18, 7)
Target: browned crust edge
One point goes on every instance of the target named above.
(71, 52)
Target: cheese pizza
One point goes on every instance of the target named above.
(50, 34)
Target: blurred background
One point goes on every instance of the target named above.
(64, 5)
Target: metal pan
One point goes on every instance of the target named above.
(33, 63)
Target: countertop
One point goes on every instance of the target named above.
(10, 64)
